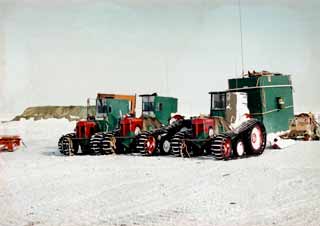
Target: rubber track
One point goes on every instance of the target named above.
(216, 146)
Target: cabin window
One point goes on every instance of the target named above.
(148, 103)
(218, 101)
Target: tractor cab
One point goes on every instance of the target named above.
(156, 111)
(158, 107)
(232, 106)
(108, 112)
(218, 104)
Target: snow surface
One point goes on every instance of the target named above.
(38, 186)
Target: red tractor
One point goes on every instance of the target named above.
(214, 135)
(110, 109)
(156, 114)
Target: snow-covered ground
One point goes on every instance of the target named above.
(38, 186)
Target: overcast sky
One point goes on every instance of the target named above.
(61, 52)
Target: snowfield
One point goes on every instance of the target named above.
(38, 186)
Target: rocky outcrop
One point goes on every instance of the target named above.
(46, 112)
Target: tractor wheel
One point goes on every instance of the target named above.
(179, 146)
(221, 147)
(141, 143)
(109, 144)
(68, 146)
(165, 146)
(150, 145)
(61, 145)
(239, 148)
(256, 139)
(147, 144)
(95, 144)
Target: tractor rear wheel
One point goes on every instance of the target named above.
(221, 147)
(256, 139)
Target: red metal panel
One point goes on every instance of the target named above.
(85, 129)
(128, 125)
(202, 125)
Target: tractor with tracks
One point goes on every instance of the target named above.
(158, 141)
(109, 110)
(214, 134)
(156, 114)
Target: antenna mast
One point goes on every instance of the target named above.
(241, 36)
(167, 76)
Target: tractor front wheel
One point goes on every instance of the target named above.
(67, 145)
(221, 147)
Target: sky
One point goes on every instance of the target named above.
(61, 52)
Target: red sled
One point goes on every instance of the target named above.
(9, 143)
